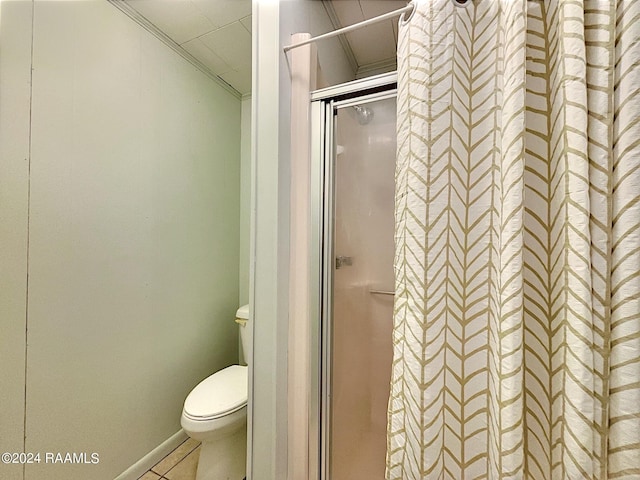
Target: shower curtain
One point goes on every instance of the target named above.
(517, 311)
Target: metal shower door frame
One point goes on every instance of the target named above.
(325, 104)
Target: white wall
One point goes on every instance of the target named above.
(133, 177)
(245, 197)
(273, 24)
(15, 71)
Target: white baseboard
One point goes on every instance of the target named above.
(139, 468)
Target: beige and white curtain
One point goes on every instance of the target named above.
(517, 314)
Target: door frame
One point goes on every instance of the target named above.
(324, 106)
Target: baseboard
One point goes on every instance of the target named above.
(139, 468)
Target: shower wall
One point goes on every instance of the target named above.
(362, 308)
(120, 171)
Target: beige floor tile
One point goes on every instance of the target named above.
(171, 460)
(186, 469)
(149, 476)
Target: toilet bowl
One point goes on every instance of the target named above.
(215, 413)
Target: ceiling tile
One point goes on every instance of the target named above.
(373, 8)
(246, 22)
(348, 11)
(199, 50)
(239, 79)
(179, 19)
(223, 12)
(373, 43)
(232, 43)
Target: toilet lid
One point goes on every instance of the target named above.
(221, 393)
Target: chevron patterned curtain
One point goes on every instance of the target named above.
(517, 313)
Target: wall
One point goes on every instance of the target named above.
(15, 72)
(273, 24)
(124, 211)
(245, 197)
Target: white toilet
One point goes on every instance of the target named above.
(215, 413)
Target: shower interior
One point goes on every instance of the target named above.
(357, 143)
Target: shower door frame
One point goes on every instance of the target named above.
(324, 106)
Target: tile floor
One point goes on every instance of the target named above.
(178, 465)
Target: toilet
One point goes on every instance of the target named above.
(215, 413)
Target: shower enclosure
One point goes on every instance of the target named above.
(354, 141)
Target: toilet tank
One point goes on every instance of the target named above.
(242, 319)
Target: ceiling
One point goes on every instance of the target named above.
(370, 49)
(217, 33)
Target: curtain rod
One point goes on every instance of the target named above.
(355, 26)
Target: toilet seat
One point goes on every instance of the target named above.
(218, 395)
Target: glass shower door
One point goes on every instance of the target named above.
(362, 289)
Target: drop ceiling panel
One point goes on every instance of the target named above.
(240, 79)
(223, 12)
(203, 53)
(178, 19)
(215, 32)
(373, 44)
(232, 43)
(348, 11)
(373, 8)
